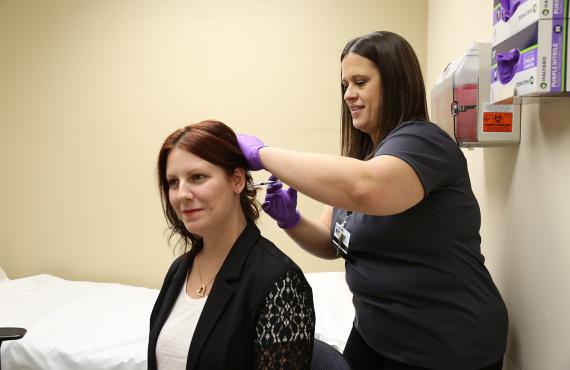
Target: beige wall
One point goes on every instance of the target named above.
(524, 201)
(89, 89)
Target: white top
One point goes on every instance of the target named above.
(176, 334)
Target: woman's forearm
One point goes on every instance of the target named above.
(313, 237)
(330, 179)
(384, 185)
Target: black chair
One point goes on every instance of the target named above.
(326, 357)
(10, 334)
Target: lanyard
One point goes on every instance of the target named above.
(341, 236)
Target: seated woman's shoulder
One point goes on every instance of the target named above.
(267, 263)
(273, 255)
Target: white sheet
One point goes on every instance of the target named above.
(333, 307)
(75, 325)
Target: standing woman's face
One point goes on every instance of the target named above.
(361, 83)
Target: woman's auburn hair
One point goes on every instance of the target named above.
(216, 143)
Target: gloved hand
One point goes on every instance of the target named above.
(250, 146)
(281, 204)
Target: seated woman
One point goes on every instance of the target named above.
(233, 300)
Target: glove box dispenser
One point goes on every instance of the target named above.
(460, 102)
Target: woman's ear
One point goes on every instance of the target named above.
(238, 180)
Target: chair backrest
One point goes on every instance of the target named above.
(326, 357)
(10, 334)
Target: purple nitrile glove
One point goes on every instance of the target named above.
(507, 65)
(281, 204)
(508, 8)
(250, 146)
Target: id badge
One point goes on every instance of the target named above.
(341, 239)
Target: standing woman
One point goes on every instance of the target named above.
(233, 300)
(401, 212)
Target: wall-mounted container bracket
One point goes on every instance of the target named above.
(460, 102)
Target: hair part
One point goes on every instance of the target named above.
(403, 95)
(216, 143)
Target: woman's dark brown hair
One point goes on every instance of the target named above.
(216, 143)
(403, 96)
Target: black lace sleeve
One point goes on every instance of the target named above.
(286, 325)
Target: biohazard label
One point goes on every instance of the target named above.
(497, 122)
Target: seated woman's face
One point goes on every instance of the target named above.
(202, 194)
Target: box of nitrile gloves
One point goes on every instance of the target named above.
(567, 60)
(512, 16)
(533, 62)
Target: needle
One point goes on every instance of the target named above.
(259, 184)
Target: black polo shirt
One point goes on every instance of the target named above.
(421, 291)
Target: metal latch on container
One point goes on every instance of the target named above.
(457, 108)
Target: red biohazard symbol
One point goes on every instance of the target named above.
(497, 122)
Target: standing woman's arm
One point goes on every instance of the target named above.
(314, 236)
(384, 185)
(381, 186)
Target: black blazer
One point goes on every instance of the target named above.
(259, 310)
